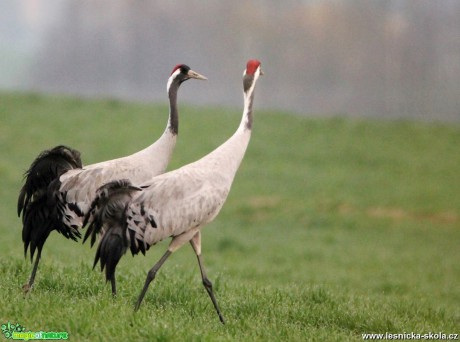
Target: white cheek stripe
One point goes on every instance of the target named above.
(171, 78)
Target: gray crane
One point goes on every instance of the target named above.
(58, 190)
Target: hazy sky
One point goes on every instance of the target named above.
(389, 59)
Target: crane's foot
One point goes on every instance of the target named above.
(208, 286)
(114, 287)
(26, 288)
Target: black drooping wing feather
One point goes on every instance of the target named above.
(36, 200)
(49, 165)
(107, 215)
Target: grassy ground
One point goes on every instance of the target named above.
(334, 228)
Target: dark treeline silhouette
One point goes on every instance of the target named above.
(393, 58)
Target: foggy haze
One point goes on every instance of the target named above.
(387, 59)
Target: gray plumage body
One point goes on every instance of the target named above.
(184, 200)
(78, 186)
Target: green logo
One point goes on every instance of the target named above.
(18, 332)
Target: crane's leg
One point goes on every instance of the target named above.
(196, 244)
(175, 244)
(27, 287)
(150, 276)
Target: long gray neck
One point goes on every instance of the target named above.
(246, 120)
(250, 99)
(173, 122)
(227, 157)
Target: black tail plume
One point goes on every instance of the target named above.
(35, 202)
(107, 217)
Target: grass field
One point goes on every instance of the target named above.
(334, 228)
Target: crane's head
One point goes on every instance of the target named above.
(181, 73)
(251, 74)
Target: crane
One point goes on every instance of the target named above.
(176, 204)
(58, 190)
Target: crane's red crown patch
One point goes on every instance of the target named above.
(252, 66)
(178, 66)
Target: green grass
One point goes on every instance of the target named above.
(334, 227)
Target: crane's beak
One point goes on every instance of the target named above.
(193, 74)
(261, 72)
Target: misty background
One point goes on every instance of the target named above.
(382, 58)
